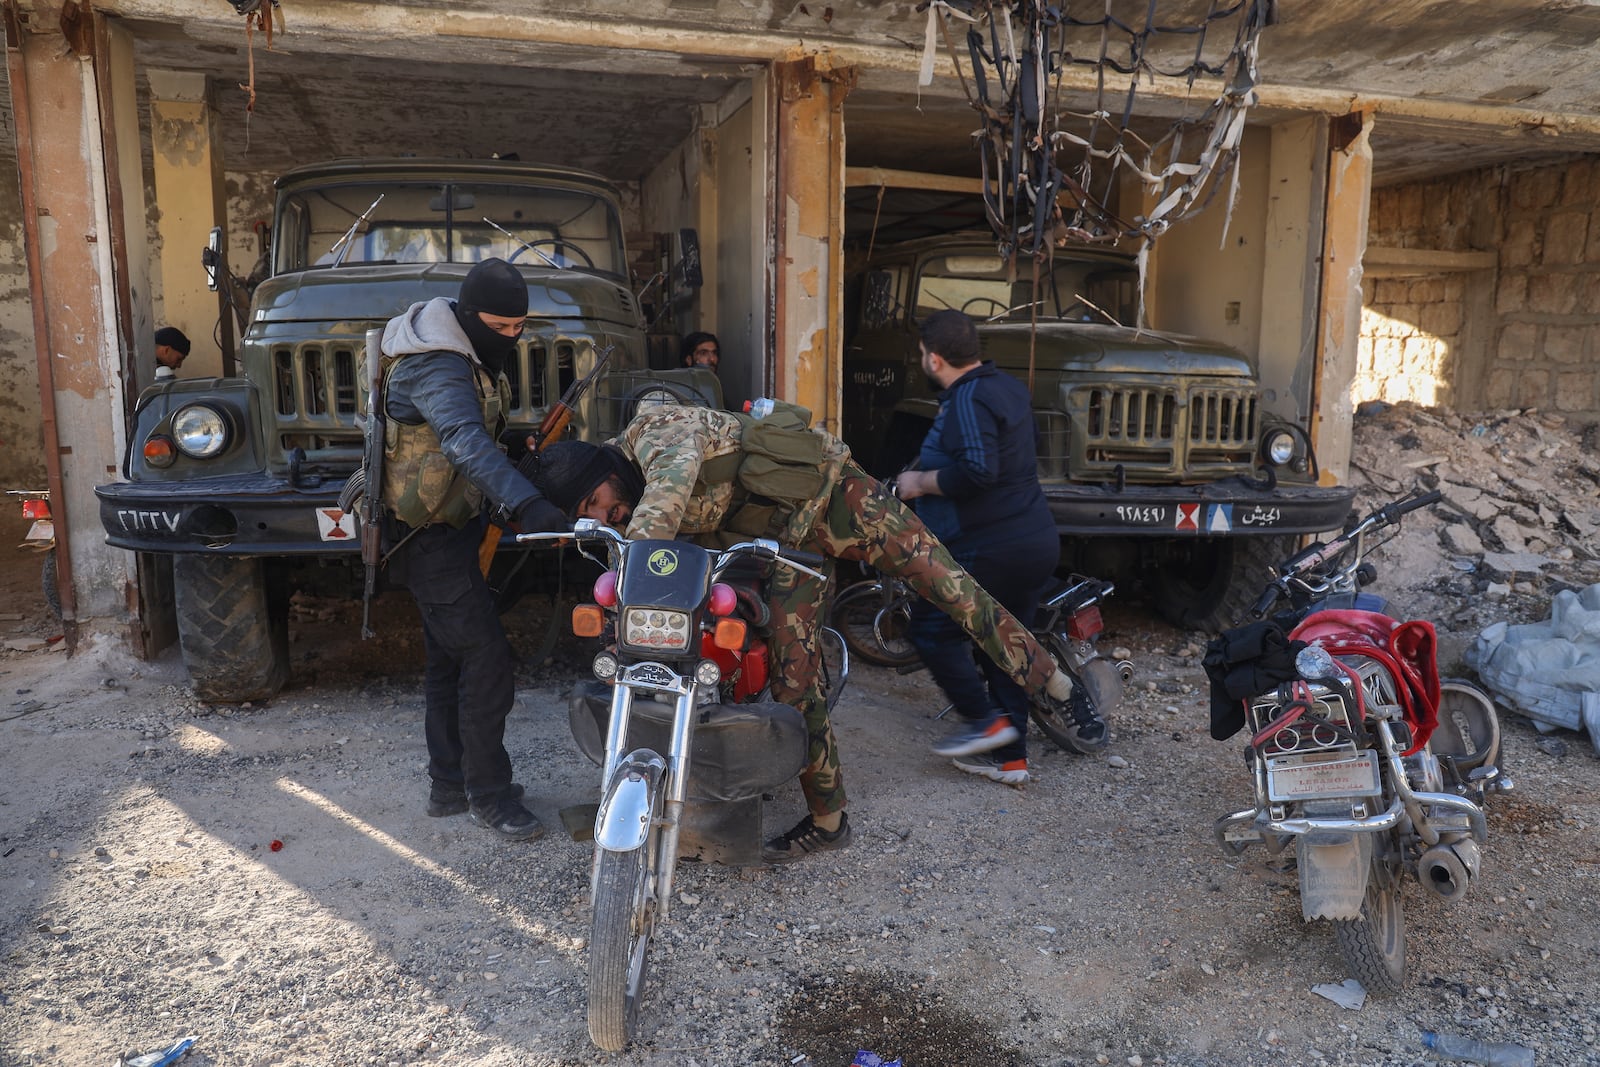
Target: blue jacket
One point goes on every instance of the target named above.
(982, 446)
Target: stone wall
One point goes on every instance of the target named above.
(1524, 333)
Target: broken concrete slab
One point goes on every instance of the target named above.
(1460, 539)
(1504, 566)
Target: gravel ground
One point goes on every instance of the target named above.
(1087, 918)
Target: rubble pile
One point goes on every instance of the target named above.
(1518, 522)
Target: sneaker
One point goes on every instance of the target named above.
(1086, 730)
(805, 839)
(1008, 772)
(444, 800)
(985, 735)
(506, 816)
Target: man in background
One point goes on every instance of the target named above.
(702, 350)
(172, 348)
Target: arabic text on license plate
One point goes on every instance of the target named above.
(1316, 781)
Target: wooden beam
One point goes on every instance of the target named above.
(1399, 262)
(872, 177)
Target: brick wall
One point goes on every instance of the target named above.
(1524, 334)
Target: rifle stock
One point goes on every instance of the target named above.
(551, 427)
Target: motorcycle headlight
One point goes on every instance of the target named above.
(1278, 447)
(654, 628)
(707, 673)
(1315, 663)
(199, 431)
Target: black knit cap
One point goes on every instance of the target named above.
(570, 471)
(496, 287)
(172, 337)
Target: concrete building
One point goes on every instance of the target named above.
(1415, 189)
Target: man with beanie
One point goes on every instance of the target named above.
(977, 487)
(445, 394)
(679, 471)
(172, 348)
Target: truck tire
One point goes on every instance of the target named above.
(234, 633)
(1210, 584)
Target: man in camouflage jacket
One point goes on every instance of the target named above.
(673, 473)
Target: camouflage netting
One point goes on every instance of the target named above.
(1056, 85)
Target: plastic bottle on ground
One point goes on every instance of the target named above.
(1471, 1050)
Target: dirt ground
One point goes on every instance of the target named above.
(1087, 918)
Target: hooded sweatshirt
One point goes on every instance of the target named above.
(435, 384)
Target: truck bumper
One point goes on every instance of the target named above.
(1219, 509)
(248, 515)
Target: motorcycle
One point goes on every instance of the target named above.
(678, 721)
(874, 619)
(41, 537)
(1374, 769)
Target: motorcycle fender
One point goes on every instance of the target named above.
(623, 822)
(1333, 874)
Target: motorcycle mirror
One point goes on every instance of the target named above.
(212, 257)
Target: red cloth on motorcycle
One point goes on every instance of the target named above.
(1408, 649)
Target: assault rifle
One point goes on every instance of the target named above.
(371, 500)
(550, 430)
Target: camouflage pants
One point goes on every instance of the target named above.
(865, 522)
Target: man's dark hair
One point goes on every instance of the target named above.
(173, 337)
(951, 336)
(694, 341)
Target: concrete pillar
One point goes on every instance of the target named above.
(1297, 181)
(808, 278)
(1344, 243)
(69, 235)
(190, 200)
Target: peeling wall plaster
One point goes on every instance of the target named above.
(21, 444)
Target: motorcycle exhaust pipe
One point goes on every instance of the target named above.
(1447, 871)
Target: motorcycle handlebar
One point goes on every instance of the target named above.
(1426, 499)
(1269, 596)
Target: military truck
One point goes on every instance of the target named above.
(237, 479)
(1159, 460)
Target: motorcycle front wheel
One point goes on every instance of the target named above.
(875, 621)
(619, 945)
(1374, 946)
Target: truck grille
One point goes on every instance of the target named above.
(1133, 427)
(1159, 432)
(1222, 426)
(316, 396)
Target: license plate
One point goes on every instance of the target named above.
(1356, 777)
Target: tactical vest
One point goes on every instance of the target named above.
(781, 475)
(419, 484)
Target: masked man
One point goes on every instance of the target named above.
(712, 475)
(445, 395)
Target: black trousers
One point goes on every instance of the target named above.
(468, 684)
(1013, 572)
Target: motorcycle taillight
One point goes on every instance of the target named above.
(36, 509)
(1085, 623)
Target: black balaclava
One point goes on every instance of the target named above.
(498, 288)
(568, 471)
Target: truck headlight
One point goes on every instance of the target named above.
(199, 431)
(1278, 447)
(652, 628)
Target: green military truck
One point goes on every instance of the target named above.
(237, 479)
(1158, 458)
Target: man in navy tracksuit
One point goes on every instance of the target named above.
(977, 488)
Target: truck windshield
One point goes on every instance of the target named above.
(443, 222)
(977, 284)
